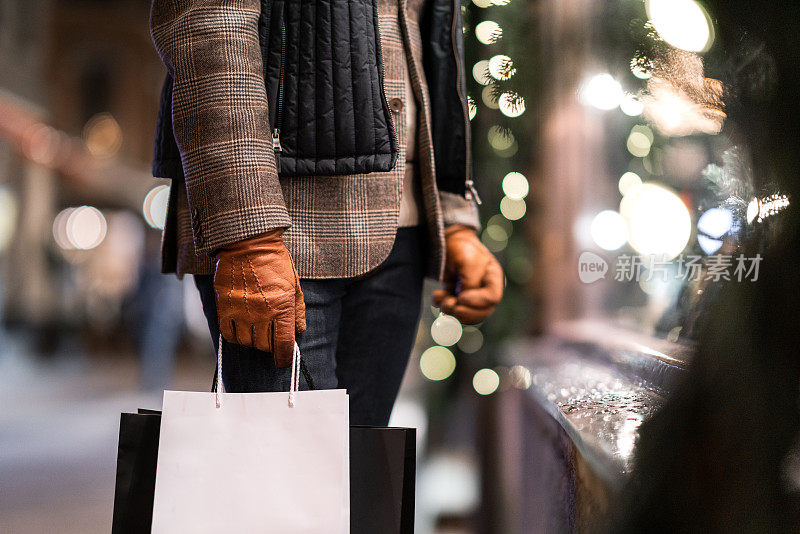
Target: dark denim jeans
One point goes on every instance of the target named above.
(359, 337)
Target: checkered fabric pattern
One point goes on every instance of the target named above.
(340, 226)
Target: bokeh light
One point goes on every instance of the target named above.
(715, 222)
(488, 97)
(507, 152)
(682, 23)
(502, 222)
(712, 226)
(480, 71)
(520, 377)
(437, 363)
(446, 330)
(8, 216)
(486, 381)
(497, 232)
(488, 32)
(659, 222)
(500, 139)
(609, 230)
(511, 105)
(154, 207)
(471, 340)
(512, 208)
(640, 141)
(628, 181)
(501, 67)
(709, 245)
(60, 229)
(515, 185)
(770, 205)
(639, 70)
(601, 91)
(494, 238)
(102, 135)
(631, 106)
(80, 228)
(752, 210)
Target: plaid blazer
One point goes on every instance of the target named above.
(338, 226)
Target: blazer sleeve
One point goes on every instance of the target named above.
(220, 119)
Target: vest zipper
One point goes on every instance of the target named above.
(276, 132)
(469, 193)
(472, 193)
(384, 100)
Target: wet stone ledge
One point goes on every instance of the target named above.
(600, 383)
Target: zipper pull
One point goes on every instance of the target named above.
(472, 193)
(276, 146)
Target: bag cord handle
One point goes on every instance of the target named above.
(298, 366)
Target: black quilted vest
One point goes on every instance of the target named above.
(324, 79)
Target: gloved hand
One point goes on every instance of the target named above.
(473, 277)
(259, 301)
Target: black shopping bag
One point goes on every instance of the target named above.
(382, 476)
(136, 472)
(382, 479)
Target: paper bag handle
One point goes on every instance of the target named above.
(293, 386)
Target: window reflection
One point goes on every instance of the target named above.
(643, 167)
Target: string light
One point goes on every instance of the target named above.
(682, 23)
(601, 91)
(501, 67)
(631, 106)
(486, 381)
(480, 71)
(659, 223)
(511, 105)
(609, 230)
(446, 330)
(520, 377)
(512, 209)
(437, 363)
(640, 140)
(628, 181)
(515, 185)
(488, 32)
(471, 340)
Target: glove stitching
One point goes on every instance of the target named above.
(230, 288)
(258, 284)
(244, 289)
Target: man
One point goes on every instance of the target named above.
(320, 158)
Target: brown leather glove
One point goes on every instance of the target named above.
(259, 301)
(473, 277)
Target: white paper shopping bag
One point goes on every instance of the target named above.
(257, 463)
